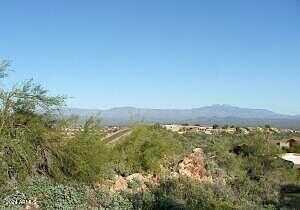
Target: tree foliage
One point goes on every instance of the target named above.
(25, 127)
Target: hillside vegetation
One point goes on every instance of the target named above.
(42, 167)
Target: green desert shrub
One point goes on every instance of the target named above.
(86, 158)
(46, 194)
(147, 149)
(183, 193)
(51, 195)
(14, 200)
(109, 200)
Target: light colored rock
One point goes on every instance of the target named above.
(136, 176)
(198, 150)
(31, 204)
(120, 184)
(124, 183)
(193, 165)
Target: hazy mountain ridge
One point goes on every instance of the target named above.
(223, 114)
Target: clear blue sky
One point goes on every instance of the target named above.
(159, 54)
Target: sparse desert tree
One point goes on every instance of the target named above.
(24, 126)
(22, 100)
(225, 126)
(267, 126)
(215, 126)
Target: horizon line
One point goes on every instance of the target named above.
(198, 107)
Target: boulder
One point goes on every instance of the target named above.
(120, 184)
(134, 182)
(193, 165)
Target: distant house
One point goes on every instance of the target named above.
(184, 128)
(275, 130)
(287, 144)
(230, 130)
(173, 127)
(292, 157)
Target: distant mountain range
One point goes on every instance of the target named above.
(222, 114)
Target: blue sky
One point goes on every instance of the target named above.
(158, 54)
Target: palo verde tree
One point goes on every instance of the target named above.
(25, 98)
(24, 111)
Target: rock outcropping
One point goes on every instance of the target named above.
(137, 182)
(193, 166)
